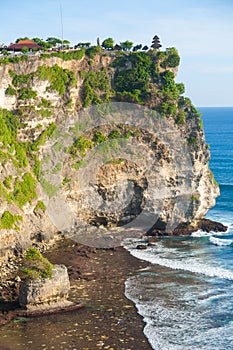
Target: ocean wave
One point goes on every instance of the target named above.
(189, 265)
(220, 242)
(200, 234)
(172, 326)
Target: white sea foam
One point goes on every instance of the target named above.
(190, 265)
(173, 326)
(220, 242)
(200, 233)
(160, 339)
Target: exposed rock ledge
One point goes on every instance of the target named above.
(205, 225)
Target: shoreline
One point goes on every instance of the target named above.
(98, 280)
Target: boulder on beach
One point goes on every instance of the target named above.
(45, 290)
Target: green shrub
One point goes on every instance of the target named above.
(133, 97)
(20, 80)
(66, 180)
(37, 266)
(16, 59)
(26, 93)
(36, 165)
(40, 206)
(67, 56)
(95, 84)
(45, 103)
(41, 139)
(169, 88)
(45, 113)
(181, 118)
(20, 154)
(8, 181)
(93, 51)
(25, 190)
(10, 91)
(4, 157)
(181, 88)
(155, 72)
(161, 55)
(9, 221)
(59, 78)
(3, 192)
(99, 137)
(9, 124)
(33, 254)
(81, 145)
(213, 179)
(168, 109)
(114, 134)
(78, 164)
(172, 59)
(136, 78)
(119, 61)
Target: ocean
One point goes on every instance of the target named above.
(185, 295)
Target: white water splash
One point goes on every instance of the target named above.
(221, 242)
(185, 264)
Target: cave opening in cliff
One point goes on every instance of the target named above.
(121, 185)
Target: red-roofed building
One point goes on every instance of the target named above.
(30, 44)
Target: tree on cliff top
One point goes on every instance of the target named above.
(156, 43)
(108, 44)
(127, 45)
(42, 43)
(54, 41)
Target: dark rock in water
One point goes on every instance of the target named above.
(141, 246)
(205, 225)
(209, 225)
(45, 290)
(152, 239)
(151, 244)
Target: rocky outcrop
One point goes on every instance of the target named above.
(166, 172)
(34, 292)
(204, 225)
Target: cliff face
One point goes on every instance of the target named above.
(40, 96)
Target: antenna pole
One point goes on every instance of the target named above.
(61, 26)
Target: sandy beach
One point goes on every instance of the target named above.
(108, 320)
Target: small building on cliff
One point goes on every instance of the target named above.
(29, 44)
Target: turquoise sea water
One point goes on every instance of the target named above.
(186, 293)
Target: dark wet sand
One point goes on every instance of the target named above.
(109, 320)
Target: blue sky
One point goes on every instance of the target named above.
(201, 30)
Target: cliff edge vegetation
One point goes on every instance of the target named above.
(38, 93)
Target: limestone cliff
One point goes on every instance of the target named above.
(38, 94)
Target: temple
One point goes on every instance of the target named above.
(30, 44)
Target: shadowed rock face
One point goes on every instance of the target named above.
(45, 290)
